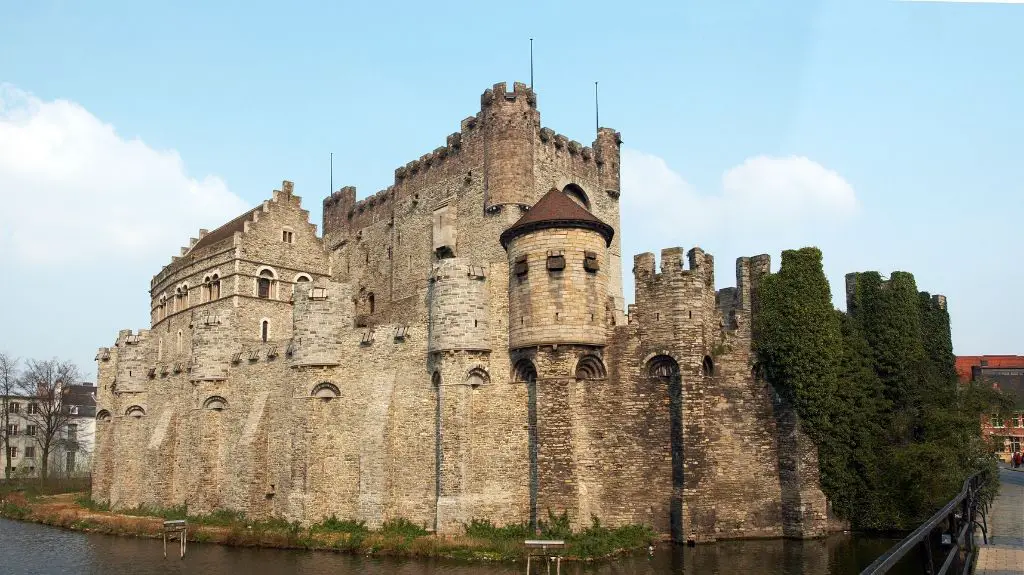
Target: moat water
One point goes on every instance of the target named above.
(27, 548)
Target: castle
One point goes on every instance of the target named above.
(455, 347)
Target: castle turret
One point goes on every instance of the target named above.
(458, 306)
(318, 314)
(510, 123)
(558, 288)
(212, 344)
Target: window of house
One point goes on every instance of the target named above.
(263, 282)
(73, 409)
(72, 432)
(69, 461)
(13, 407)
(996, 420)
(30, 430)
(215, 287)
(12, 452)
(286, 236)
(33, 408)
(1014, 444)
(30, 452)
(12, 429)
(1018, 419)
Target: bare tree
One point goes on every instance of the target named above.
(8, 382)
(46, 383)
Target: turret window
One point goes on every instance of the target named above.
(521, 266)
(708, 366)
(556, 261)
(590, 262)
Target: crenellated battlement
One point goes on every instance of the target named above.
(935, 301)
(701, 265)
(499, 95)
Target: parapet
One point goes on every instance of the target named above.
(701, 264)
(498, 95)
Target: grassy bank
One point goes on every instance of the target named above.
(480, 541)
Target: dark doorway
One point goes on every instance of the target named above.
(526, 372)
(665, 370)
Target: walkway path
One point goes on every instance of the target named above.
(1004, 555)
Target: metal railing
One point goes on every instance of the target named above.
(946, 541)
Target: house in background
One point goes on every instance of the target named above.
(71, 454)
(1005, 373)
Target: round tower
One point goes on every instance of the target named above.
(458, 306)
(558, 285)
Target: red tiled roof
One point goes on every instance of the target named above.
(556, 210)
(964, 363)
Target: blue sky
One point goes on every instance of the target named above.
(886, 133)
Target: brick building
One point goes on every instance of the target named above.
(455, 347)
(1005, 373)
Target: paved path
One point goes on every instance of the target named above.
(1004, 555)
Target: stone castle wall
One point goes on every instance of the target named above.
(399, 376)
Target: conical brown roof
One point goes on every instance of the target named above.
(556, 210)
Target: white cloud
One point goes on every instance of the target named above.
(77, 192)
(762, 194)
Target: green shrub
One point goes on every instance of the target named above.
(334, 525)
(402, 527)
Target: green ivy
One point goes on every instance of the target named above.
(875, 388)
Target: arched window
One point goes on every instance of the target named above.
(215, 287)
(135, 411)
(263, 284)
(264, 330)
(207, 295)
(184, 296)
(524, 372)
(663, 367)
(708, 366)
(590, 367)
(577, 195)
(178, 346)
(103, 415)
(302, 278)
(325, 390)
(215, 403)
(477, 377)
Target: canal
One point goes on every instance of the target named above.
(27, 548)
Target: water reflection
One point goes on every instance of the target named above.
(32, 549)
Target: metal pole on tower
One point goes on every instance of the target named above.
(332, 173)
(531, 63)
(597, 115)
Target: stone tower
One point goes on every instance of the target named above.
(558, 322)
(511, 123)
